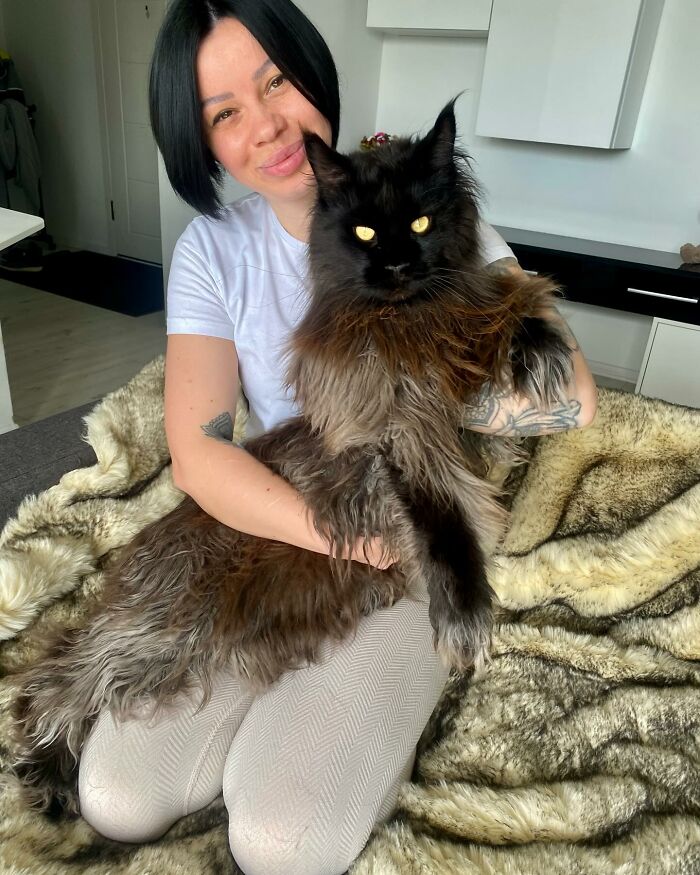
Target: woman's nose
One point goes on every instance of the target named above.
(267, 124)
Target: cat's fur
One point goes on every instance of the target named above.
(382, 365)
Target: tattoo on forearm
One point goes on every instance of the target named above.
(492, 411)
(220, 428)
(532, 421)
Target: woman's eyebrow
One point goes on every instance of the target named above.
(229, 95)
(216, 98)
(262, 68)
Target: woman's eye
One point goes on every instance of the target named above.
(362, 232)
(420, 225)
(276, 82)
(222, 115)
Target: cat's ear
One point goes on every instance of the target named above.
(331, 169)
(438, 145)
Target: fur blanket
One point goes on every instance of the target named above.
(577, 749)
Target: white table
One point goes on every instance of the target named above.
(14, 226)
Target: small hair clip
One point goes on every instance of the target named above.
(379, 139)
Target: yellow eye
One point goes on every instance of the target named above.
(421, 225)
(363, 233)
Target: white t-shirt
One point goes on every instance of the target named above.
(243, 278)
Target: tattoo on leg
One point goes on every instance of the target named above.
(220, 428)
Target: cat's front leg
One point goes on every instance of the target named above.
(541, 359)
(540, 362)
(454, 567)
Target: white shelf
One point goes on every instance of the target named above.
(437, 18)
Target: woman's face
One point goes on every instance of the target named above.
(253, 117)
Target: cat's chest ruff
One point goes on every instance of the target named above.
(373, 402)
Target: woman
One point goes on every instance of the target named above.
(311, 765)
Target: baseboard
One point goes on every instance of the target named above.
(614, 372)
(78, 245)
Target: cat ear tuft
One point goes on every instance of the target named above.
(439, 143)
(331, 169)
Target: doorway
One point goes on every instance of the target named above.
(84, 66)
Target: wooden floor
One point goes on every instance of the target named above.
(61, 353)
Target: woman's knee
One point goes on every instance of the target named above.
(113, 808)
(261, 848)
(113, 789)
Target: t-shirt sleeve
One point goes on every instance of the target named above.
(195, 302)
(493, 246)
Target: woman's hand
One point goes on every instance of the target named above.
(372, 552)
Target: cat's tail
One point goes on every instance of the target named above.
(147, 639)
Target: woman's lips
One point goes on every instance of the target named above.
(286, 160)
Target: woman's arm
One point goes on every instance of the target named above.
(509, 414)
(201, 391)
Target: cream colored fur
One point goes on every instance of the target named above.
(574, 750)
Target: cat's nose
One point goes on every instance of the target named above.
(397, 269)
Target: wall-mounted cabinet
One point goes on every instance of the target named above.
(567, 71)
(434, 18)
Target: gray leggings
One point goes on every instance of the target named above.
(307, 768)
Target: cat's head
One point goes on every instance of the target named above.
(395, 223)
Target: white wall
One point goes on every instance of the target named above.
(647, 196)
(51, 43)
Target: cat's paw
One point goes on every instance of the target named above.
(463, 644)
(541, 362)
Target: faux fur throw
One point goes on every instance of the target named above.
(575, 750)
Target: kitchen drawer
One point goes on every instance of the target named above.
(671, 366)
(564, 268)
(641, 281)
(678, 293)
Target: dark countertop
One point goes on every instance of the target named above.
(615, 251)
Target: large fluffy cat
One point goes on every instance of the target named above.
(403, 327)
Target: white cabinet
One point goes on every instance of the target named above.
(671, 366)
(567, 71)
(435, 18)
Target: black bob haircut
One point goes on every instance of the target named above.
(291, 42)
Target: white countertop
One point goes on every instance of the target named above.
(15, 226)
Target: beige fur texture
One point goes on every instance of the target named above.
(574, 750)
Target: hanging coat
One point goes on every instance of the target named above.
(19, 152)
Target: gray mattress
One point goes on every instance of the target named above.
(36, 456)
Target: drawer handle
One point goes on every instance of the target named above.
(662, 295)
